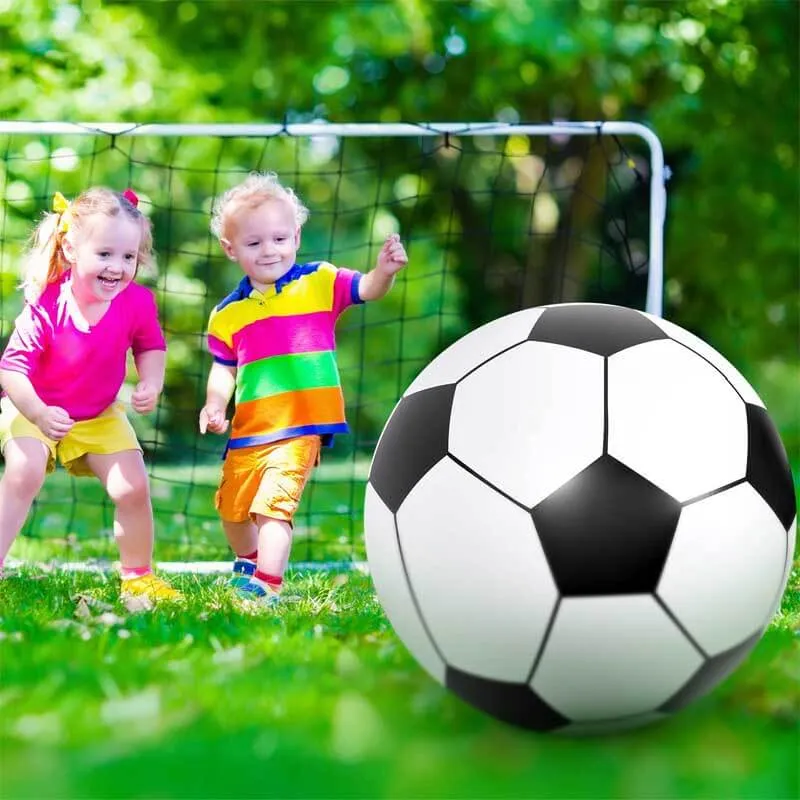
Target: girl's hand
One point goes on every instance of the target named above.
(144, 397)
(212, 418)
(54, 422)
(392, 257)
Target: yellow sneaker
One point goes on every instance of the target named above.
(148, 588)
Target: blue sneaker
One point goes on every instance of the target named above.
(256, 594)
(242, 572)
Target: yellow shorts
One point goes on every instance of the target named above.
(110, 432)
(266, 479)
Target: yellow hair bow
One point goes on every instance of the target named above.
(60, 203)
(61, 207)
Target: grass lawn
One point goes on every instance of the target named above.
(320, 699)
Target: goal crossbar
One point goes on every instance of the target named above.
(654, 299)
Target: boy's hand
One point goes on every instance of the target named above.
(392, 257)
(144, 397)
(212, 418)
(54, 422)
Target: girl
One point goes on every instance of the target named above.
(65, 363)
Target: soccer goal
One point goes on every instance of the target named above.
(495, 217)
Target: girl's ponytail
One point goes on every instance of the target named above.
(45, 262)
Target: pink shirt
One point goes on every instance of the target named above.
(81, 370)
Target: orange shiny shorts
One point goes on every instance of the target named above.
(266, 479)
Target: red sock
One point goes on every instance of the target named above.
(249, 556)
(135, 572)
(271, 582)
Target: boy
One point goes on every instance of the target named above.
(273, 344)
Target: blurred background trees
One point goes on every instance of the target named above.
(716, 79)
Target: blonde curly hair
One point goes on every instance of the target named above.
(257, 188)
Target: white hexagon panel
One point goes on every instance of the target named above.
(726, 565)
(475, 348)
(541, 402)
(476, 582)
(715, 359)
(589, 671)
(790, 546)
(397, 599)
(675, 419)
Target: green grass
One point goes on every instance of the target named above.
(320, 699)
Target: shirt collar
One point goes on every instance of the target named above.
(292, 274)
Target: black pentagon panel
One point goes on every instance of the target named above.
(600, 329)
(768, 470)
(514, 703)
(606, 531)
(612, 726)
(414, 439)
(710, 674)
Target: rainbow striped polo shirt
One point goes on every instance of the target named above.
(283, 346)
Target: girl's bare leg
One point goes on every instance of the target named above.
(124, 477)
(26, 466)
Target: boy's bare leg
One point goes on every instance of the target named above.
(242, 536)
(274, 545)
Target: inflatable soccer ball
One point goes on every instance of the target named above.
(579, 517)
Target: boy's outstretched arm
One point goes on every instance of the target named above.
(220, 388)
(391, 259)
(150, 365)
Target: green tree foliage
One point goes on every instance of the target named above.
(716, 80)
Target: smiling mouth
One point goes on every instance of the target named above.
(108, 282)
